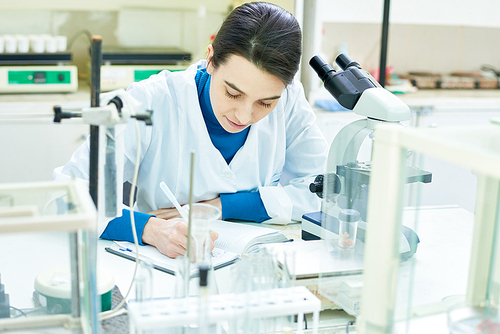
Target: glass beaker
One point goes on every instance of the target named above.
(202, 218)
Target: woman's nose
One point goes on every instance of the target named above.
(243, 114)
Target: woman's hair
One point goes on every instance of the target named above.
(265, 34)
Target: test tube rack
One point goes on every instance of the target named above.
(165, 313)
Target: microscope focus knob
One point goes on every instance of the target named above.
(333, 185)
(317, 186)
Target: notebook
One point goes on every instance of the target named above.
(234, 240)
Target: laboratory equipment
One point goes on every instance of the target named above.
(203, 323)
(30, 222)
(116, 109)
(53, 287)
(222, 308)
(202, 218)
(32, 72)
(345, 183)
(123, 65)
(348, 228)
(144, 285)
(390, 304)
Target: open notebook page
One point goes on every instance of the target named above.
(238, 237)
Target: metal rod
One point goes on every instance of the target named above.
(188, 250)
(385, 39)
(95, 82)
(75, 277)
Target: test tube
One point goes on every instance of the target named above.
(144, 286)
(203, 301)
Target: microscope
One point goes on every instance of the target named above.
(346, 181)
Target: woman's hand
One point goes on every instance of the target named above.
(169, 236)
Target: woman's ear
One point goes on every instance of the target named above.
(210, 55)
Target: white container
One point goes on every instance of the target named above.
(2, 44)
(50, 44)
(10, 44)
(37, 43)
(62, 42)
(23, 43)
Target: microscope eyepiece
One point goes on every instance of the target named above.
(345, 62)
(320, 67)
(347, 84)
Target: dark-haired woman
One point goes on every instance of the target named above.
(256, 142)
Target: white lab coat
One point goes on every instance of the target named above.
(282, 153)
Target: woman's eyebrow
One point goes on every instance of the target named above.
(233, 86)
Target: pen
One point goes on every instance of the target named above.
(122, 247)
(174, 201)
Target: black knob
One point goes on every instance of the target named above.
(317, 186)
(333, 185)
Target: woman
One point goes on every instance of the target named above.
(257, 146)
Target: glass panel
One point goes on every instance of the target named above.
(343, 217)
(441, 214)
(494, 279)
(41, 261)
(36, 199)
(26, 256)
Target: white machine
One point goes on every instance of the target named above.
(123, 66)
(37, 73)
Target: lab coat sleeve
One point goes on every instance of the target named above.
(306, 156)
(138, 91)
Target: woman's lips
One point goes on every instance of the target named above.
(235, 125)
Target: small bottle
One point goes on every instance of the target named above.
(348, 227)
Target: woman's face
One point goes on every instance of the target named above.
(241, 94)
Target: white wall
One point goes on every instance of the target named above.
(97, 5)
(481, 13)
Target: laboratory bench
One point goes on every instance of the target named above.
(445, 234)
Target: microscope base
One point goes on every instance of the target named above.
(313, 229)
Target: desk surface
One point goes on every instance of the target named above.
(439, 268)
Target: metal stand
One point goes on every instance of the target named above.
(385, 39)
(95, 82)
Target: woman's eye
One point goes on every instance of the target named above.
(265, 105)
(231, 96)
